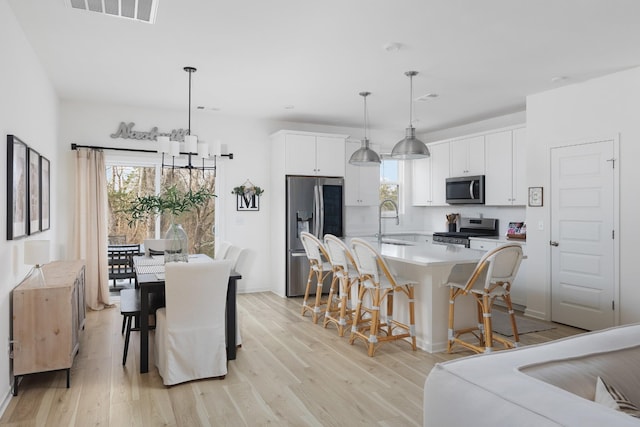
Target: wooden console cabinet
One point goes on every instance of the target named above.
(47, 320)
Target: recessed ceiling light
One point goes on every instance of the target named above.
(391, 47)
(427, 97)
(558, 79)
(289, 107)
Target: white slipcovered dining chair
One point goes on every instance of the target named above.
(154, 246)
(491, 278)
(222, 249)
(190, 331)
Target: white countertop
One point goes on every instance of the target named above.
(426, 254)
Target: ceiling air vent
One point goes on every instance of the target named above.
(138, 10)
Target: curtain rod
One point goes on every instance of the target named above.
(132, 150)
(97, 147)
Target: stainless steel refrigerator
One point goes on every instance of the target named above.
(315, 205)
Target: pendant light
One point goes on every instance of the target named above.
(410, 147)
(192, 147)
(365, 156)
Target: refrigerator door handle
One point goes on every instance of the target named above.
(321, 211)
(316, 211)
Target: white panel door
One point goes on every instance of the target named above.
(582, 240)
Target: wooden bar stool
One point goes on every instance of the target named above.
(339, 307)
(490, 279)
(377, 286)
(318, 268)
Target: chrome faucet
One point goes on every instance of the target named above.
(397, 216)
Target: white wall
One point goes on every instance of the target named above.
(600, 108)
(29, 110)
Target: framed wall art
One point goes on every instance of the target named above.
(34, 191)
(535, 196)
(17, 190)
(45, 193)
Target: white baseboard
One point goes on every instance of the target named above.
(5, 401)
(541, 315)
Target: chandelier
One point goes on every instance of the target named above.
(194, 150)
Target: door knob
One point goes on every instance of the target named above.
(553, 243)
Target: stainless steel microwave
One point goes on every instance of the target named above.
(465, 190)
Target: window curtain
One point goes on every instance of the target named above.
(90, 225)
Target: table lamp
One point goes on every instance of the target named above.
(36, 253)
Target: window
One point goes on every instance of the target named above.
(389, 184)
(125, 182)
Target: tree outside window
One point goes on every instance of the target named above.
(389, 184)
(125, 183)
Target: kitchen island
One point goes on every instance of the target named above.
(429, 265)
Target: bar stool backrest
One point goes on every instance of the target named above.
(499, 265)
(369, 261)
(314, 250)
(339, 253)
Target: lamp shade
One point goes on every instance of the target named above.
(364, 156)
(174, 148)
(164, 144)
(36, 252)
(191, 143)
(410, 147)
(203, 149)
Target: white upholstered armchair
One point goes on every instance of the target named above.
(190, 331)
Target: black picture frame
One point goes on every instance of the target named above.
(45, 194)
(17, 190)
(33, 183)
(245, 202)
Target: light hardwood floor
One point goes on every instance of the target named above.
(288, 372)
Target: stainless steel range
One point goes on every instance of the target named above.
(469, 227)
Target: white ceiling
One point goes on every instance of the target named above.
(254, 57)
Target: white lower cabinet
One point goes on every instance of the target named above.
(519, 286)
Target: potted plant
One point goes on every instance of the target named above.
(174, 202)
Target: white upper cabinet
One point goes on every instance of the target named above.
(505, 168)
(361, 183)
(308, 154)
(439, 173)
(421, 182)
(467, 156)
(429, 175)
(520, 167)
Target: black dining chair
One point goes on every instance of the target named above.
(121, 263)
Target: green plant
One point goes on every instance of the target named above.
(241, 190)
(171, 200)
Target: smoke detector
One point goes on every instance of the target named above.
(137, 10)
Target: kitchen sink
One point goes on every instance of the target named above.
(399, 242)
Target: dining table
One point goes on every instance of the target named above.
(151, 280)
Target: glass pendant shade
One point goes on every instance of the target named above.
(365, 156)
(410, 147)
